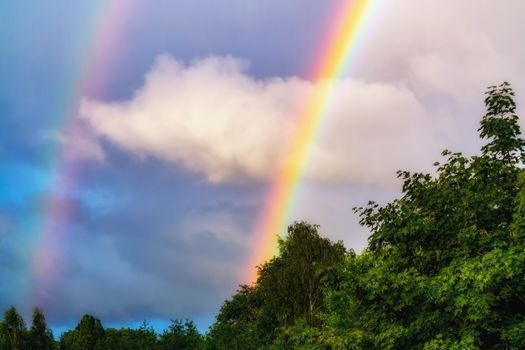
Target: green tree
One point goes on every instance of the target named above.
(181, 335)
(286, 304)
(291, 283)
(66, 340)
(235, 327)
(87, 335)
(444, 265)
(130, 339)
(13, 330)
(40, 336)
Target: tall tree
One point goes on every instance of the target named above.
(40, 336)
(87, 335)
(288, 296)
(14, 330)
(291, 283)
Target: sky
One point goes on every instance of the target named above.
(139, 139)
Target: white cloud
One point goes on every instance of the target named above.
(209, 118)
(213, 118)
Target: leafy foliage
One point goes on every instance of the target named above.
(40, 336)
(181, 335)
(88, 335)
(444, 266)
(143, 338)
(14, 333)
(288, 297)
(236, 326)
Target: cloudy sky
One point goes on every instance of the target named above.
(138, 142)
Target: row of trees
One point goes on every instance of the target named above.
(444, 269)
(14, 335)
(90, 335)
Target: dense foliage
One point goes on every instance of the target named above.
(444, 269)
(289, 293)
(444, 266)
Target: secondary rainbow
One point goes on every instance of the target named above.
(91, 60)
(342, 43)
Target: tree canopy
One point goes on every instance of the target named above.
(444, 265)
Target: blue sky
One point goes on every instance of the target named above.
(177, 151)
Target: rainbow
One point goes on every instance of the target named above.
(341, 46)
(92, 60)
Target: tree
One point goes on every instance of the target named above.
(40, 336)
(291, 284)
(235, 327)
(14, 330)
(130, 339)
(181, 335)
(287, 298)
(87, 335)
(444, 264)
(500, 126)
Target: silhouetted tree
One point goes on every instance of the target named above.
(40, 336)
(14, 330)
(88, 335)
